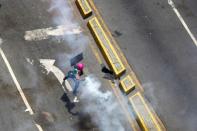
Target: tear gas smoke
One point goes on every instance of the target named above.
(64, 16)
(102, 106)
(1, 41)
(32, 76)
(63, 60)
(150, 91)
(4, 77)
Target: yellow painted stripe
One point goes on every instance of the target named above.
(146, 118)
(106, 47)
(84, 8)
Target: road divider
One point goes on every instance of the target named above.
(145, 118)
(84, 8)
(106, 47)
(127, 84)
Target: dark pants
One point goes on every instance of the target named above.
(76, 86)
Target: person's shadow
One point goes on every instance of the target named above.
(69, 105)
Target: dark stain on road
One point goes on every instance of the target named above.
(45, 120)
(160, 5)
(85, 123)
(9, 22)
(183, 6)
(116, 33)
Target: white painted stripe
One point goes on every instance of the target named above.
(39, 127)
(171, 3)
(16, 82)
(29, 109)
(45, 33)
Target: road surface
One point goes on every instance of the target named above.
(28, 31)
(161, 52)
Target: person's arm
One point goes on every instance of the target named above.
(66, 77)
(77, 76)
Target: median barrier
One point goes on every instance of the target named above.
(127, 84)
(84, 8)
(108, 51)
(145, 118)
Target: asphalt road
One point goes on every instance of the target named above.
(161, 53)
(188, 10)
(11, 106)
(53, 109)
(42, 91)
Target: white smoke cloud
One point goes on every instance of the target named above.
(63, 60)
(1, 41)
(64, 16)
(149, 88)
(102, 106)
(32, 76)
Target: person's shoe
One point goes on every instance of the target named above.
(75, 100)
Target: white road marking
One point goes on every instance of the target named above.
(171, 3)
(29, 109)
(39, 127)
(16, 82)
(45, 33)
(50, 67)
(30, 61)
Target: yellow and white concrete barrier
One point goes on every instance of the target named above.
(108, 51)
(147, 121)
(84, 8)
(127, 84)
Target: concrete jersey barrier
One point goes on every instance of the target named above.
(106, 47)
(127, 84)
(84, 8)
(145, 117)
